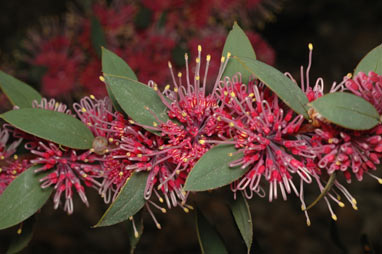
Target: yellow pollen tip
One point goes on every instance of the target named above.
(230, 154)
(179, 74)
(341, 204)
(334, 217)
(89, 124)
(106, 150)
(120, 173)
(161, 200)
(379, 180)
(177, 172)
(202, 142)
(92, 97)
(308, 222)
(251, 95)
(197, 60)
(208, 58)
(155, 124)
(225, 93)
(14, 172)
(19, 231)
(164, 210)
(338, 163)
(184, 114)
(1, 170)
(233, 94)
(136, 234)
(219, 118)
(139, 155)
(128, 154)
(310, 46)
(15, 156)
(131, 121)
(2, 157)
(185, 160)
(199, 48)
(167, 87)
(197, 78)
(222, 59)
(354, 201)
(158, 226)
(355, 207)
(111, 140)
(231, 124)
(175, 90)
(349, 75)
(86, 160)
(83, 110)
(303, 207)
(56, 104)
(186, 210)
(186, 56)
(330, 140)
(228, 55)
(102, 78)
(169, 65)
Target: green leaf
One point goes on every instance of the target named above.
(54, 126)
(23, 238)
(97, 35)
(238, 44)
(135, 236)
(136, 99)
(22, 198)
(347, 110)
(285, 89)
(128, 202)
(18, 92)
(242, 215)
(208, 237)
(113, 64)
(371, 62)
(213, 171)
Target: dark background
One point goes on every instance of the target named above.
(341, 32)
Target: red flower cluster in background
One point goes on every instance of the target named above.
(146, 35)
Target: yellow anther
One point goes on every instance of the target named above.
(233, 94)
(56, 105)
(354, 201)
(334, 217)
(131, 121)
(120, 173)
(349, 75)
(1, 170)
(303, 207)
(84, 175)
(128, 154)
(355, 207)
(19, 231)
(330, 140)
(107, 150)
(158, 226)
(186, 56)
(341, 204)
(155, 124)
(231, 124)
(163, 210)
(2, 157)
(175, 90)
(92, 97)
(89, 124)
(139, 155)
(338, 163)
(86, 160)
(197, 78)
(14, 172)
(161, 200)
(185, 160)
(15, 156)
(310, 46)
(179, 74)
(230, 154)
(208, 58)
(186, 210)
(167, 87)
(177, 171)
(102, 78)
(83, 110)
(197, 60)
(111, 140)
(251, 95)
(380, 180)
(202, 141)
(222, 59)
(169, 65)
(225, 93)
(219, 118)
(308, 222)
(161, 147)
(184, 114)
(228, 55)
(199, 48)
(136, 234)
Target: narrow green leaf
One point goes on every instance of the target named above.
(113, 64)
(22, 198)
(128, 202)
(135, 236)
(238, 44)
(97, 35)
(371, 62)
(242, 215)
(137, 100)
(347, 110)
(213, 171)
(325, 191)
(285, 89)
(54, 126)
(208, 237)
(18, 92)
(21, 240)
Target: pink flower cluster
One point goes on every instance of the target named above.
(281, 151)
(70, 63)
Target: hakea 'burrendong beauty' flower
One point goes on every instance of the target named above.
(10, 164)
(268, 136)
